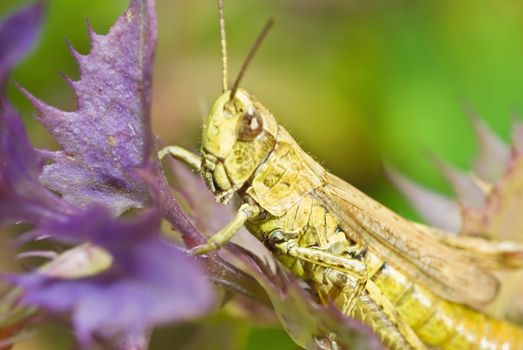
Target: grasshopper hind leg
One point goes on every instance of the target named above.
(343, 280)
(348, 291)
(338, 276)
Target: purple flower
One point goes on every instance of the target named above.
(136, 280)
(148, 282)
(17, 36)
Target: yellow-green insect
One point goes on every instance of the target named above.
(414, 286)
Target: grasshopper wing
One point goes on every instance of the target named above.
(441, 268)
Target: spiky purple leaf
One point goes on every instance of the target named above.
(493, 155)
(436, 209)
(108, 136)
(467, 191)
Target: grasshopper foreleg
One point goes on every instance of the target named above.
(191, 159)
(223, 236)
(355, 269)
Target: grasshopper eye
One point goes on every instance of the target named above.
(250, 126)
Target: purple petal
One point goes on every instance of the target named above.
(501, 216)
(17, 36)
(22, 197)
(208, 216)
(468, 192)
(517, 137)
(109, 135)
(134, 341)
(435, 208)
(494, 155)
(150, 282)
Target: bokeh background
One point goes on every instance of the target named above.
(356, 82)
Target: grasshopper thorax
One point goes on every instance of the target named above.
(237, 137)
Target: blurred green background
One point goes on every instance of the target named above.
(356, 82)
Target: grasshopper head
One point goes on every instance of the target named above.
(237, 137)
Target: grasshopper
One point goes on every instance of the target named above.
(415, 287)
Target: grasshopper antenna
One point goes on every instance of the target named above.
(223, 41)
(252, 52)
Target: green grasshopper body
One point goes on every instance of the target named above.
(415, 287)
(351, 250)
